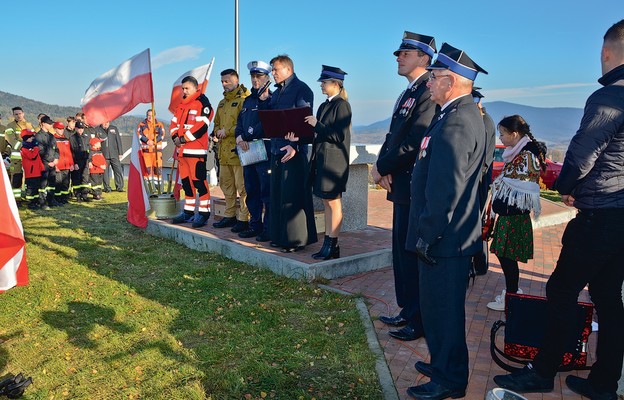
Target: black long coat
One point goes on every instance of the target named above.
(329, 163)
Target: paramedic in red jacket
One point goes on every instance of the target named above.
(189, 131)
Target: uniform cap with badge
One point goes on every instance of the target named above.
(47, 120)
(414, 41)
(258, 67)
(456, 60)
(328, 73)
(79, 125)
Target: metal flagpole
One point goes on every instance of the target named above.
(236, 52)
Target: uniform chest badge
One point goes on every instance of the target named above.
(407, 106)
(423, 147)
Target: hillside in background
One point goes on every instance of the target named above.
(555, 126)
(126, 124)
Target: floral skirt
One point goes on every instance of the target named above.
(513, 237)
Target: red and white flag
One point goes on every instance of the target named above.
(202, 74)
(13, 267)
(119, 90)
(138, 200)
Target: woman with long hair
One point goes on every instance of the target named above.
(515, 193)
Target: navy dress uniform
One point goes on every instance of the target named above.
(257, 177)
(445, 227)
(411, 116)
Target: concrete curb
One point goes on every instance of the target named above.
(331, 269)
(381, 365)
(562, 215)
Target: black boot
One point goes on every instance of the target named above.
(323, 250)
(329, 251)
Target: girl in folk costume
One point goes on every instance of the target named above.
(515, 193)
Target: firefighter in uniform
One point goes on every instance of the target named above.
(50, 156)
(34, 170)
(189, 131)
(13, 146)
(151, 134)
(65, 165)
(79, 143)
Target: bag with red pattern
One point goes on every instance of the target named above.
(525, 326)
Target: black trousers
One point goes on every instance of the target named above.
(442, 302)
(405, 266)
(592, 253)
(115, 165)
(291, 210)
(80, 179)
(257, 186)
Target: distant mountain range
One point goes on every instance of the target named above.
(126, 124)
(555, 126)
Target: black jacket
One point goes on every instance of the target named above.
(593, 169)
(79, 147)
(111, 145)
(398, 153)
(329, 163)
(47, 147)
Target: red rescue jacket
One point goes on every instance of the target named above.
(190, 123)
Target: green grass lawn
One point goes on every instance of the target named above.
(552, 195)
(113, 313)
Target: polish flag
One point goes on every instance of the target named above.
(202, 74)
(119, 90)
(13, 267)
(138, 200)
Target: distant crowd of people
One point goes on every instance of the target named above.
(55, 161)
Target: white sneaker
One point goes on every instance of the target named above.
(499, 301)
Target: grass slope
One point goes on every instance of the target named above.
(113, 313)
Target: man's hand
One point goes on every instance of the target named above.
(220, 133)
(375, 174)
(386, 182)
(120, 157)
(290, 136)
(422, 249)
(176, 141)
(150, 142)
(51, 164)
(290, 153)
(568, 200)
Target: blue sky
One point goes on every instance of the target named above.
(540, 53)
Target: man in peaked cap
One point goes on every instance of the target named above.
(444, 222)
(411, 116)
(256, 176)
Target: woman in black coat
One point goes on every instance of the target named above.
(329, 163)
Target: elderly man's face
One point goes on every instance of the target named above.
(440, 83)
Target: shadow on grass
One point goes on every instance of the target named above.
(4, 355)
(80, 320)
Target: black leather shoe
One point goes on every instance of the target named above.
(225, 222)
(274, 244)
(583, 387)
(247, 233)
(292, 249)
(406, 333)
(263, 237)
(434, 391)
(393, 321)
(107, 190)
(120, 190)
(200, 221)
(525, 381)
(424, 368)
(240, 226)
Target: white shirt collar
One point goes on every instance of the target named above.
(412, 83)
(332, 97)
(452, 100)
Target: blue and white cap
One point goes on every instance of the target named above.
(414, 41)
(259, 67)
(457, 61)
(331, 73)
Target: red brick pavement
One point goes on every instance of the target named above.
(378, 288)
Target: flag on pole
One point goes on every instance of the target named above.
(138, 201)
(202, 74)
(13, 267)
(119, 90)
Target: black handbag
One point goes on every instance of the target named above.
(526, 317)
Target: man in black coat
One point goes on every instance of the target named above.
(50, 157)
(112, 151)
(444, 223)
(411, 116)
